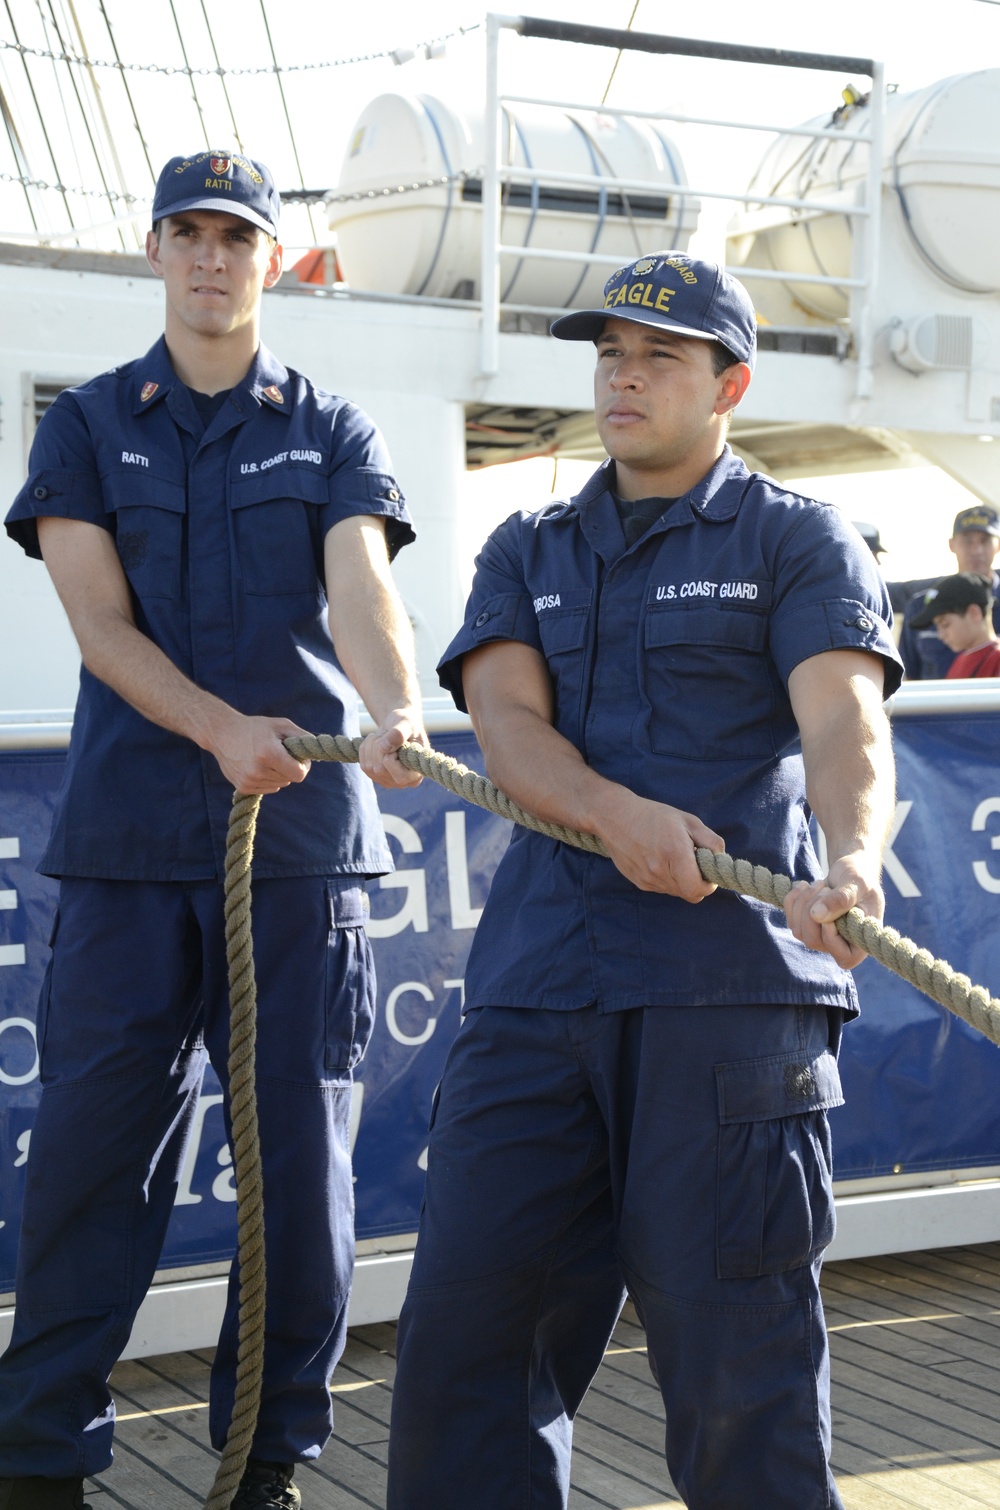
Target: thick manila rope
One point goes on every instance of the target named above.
(934, 977)
(246, 1152)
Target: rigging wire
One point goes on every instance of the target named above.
(70, 133)
(109, 139)
(39, 112)
(288, 118)
(194, 87)
(128, 92)
(222, 77)
(83, 115)
(614, 66)
(19, 155)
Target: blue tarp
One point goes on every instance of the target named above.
(923, 1090)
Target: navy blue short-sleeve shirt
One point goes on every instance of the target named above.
(220, 531)
(670, 663)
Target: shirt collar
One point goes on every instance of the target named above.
(716, 497)
(153, 378)
(720, 492)
(267, 380)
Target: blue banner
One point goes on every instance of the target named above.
(923, 1090)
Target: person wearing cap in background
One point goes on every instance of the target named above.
(684, 654)
(870, 535)
(219, 531)
(975, 540)
(961, 608)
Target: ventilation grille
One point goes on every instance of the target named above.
(945, 341)
(44, 394)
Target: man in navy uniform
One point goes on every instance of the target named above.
(219, 532)
(975, 540)
(684, 654)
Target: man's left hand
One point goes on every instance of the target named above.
(853, 881)
(378, 754)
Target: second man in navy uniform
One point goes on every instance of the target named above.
(684, 654)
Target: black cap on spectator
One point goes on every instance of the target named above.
(870, 535)
(954, 595)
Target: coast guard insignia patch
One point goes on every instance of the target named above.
(148, 389)
(220, 165)
(272, 391)
(645, 266)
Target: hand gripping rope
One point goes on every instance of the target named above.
(934, 977)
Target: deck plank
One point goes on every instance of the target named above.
(915, 1349)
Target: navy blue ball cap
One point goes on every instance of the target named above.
(982, 516)
(672, 291)
(218, 181)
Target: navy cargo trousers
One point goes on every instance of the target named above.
(679, 1154)
(134, 1001)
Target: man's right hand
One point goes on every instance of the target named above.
(653, 844)
(251, 754)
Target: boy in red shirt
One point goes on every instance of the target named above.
(961, 610)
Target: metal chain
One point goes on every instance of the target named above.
(320, 197)
(219, 71)
(289, 197)
(41, 183)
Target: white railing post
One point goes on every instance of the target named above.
(489, 277)
(870, 236)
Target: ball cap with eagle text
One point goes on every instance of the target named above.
(982, 516)
(218, 181)
(672, 291)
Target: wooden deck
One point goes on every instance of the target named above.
(915, 1341)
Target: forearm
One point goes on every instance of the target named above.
(850, 785)
(373, 639)
(119, 654)
(509, 696)
(850, 775)
(529, 759)
(91, 584)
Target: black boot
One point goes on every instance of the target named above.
(42, 1494)
(265, 1486)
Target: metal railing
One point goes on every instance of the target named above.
(861, 281)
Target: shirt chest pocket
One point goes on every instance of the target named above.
(708, 683)
(562, 627)
(149, 530)
(277, 530)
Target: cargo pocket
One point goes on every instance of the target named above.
(774, 1198)
(350, 977)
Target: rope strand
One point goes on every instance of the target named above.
(934, 977)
